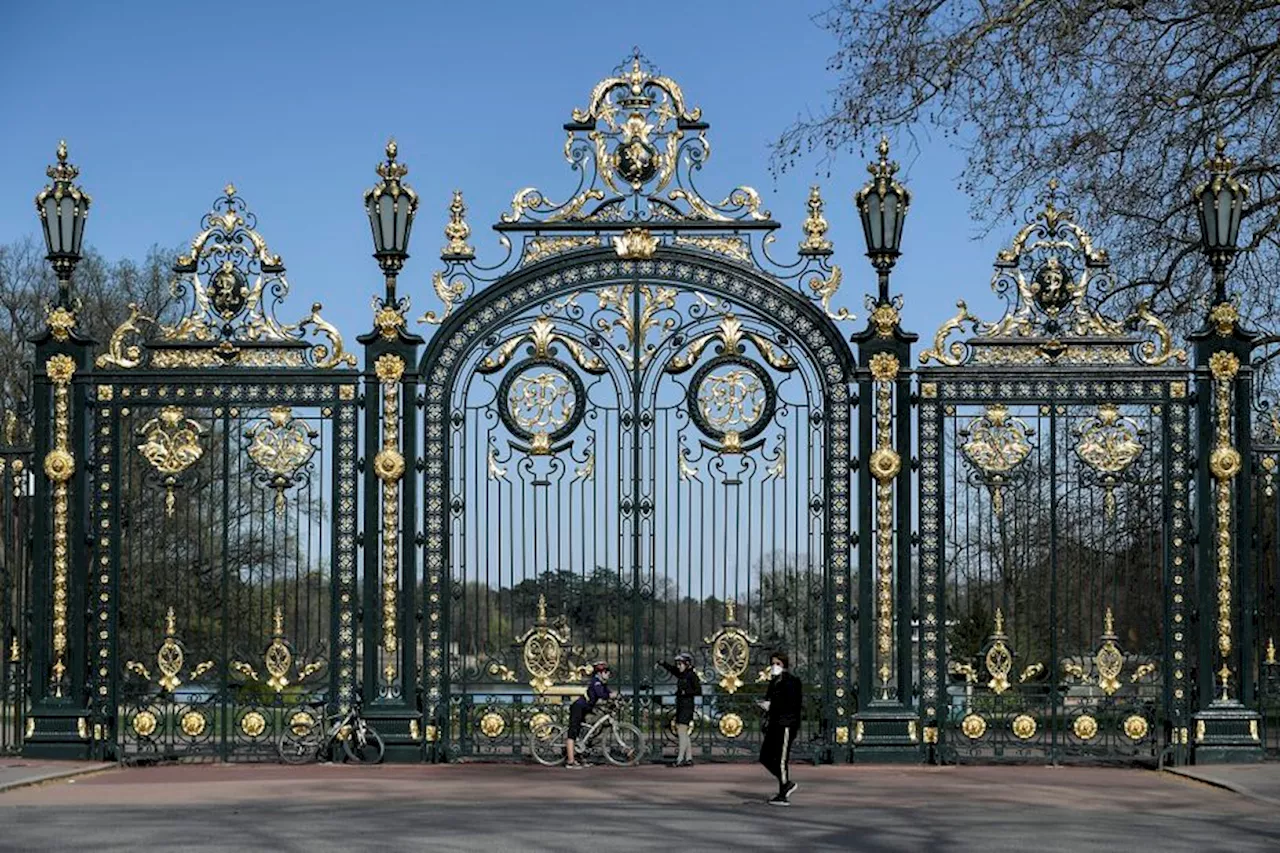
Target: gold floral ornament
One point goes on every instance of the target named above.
(61, 322)
(388, 319)
(1085, 727)
(281, 445)
(999, 658)
(543, 649)
(170, 659)
(457, 231)
(731, 725)
(635, 244)
(730, 649)
(1024, 727)
(171, 444)
(144, 724)
(1109, 444)
(1135, 727)
(997, 444)
(815, 240)
(492, 725)
(253, 724)
(973, 726)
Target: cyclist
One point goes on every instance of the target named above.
(597, 689)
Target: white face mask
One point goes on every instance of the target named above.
(776, 669)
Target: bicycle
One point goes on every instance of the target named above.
(621, 743)
(305, 737)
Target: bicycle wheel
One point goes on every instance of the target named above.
(548, 745)
(364, 745)
(299, 742)
(623, 745)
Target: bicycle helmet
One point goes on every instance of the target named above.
(601, 666)
(686, 657)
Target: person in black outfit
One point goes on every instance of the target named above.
(687, 688)
(597, 689)
(782, 703)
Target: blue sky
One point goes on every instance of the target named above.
(162, 103)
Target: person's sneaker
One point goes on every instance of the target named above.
(577, 765)
(790, 789)
(779, 801)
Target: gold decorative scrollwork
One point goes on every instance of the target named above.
(388, 466)
(1161, 350)
(636, 327)
(281, 445)
(542, 334)
(956, 353)
(885, 465)
(449, 293)
(826, 289)
(120, 351)
(1224, 464)
(734, 248)
(730, 650)
(997, 444)
(171, 444)
(278, 659)
(545, 247)
(1109, 445)
(731, 333)
(544, 647)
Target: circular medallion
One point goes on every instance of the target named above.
(731, 395)
(1224, 462)
(540, 725)
(1051, 287)
(301, 723)
(1024, 726)
(388, 465)
(1085, 727)
(492, 724)
(885, 464)
(194, 723)
(1135, 727)
(973, 726)
(144, 723)
(730, 725)
(59, 465)
(253, 724)
(540, 400)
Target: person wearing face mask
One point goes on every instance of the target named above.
(782, 704)
(597, 689)
(687, 688)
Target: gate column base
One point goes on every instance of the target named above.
(401, 730)
(887, 735)
(1226, 733)
(58, 734)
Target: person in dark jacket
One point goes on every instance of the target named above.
(782, 704)
(597, 689)
(687, 689)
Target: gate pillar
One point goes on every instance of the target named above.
(1226, 726)
(887, 727)
(390, 619)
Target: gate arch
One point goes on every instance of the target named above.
(636, 441)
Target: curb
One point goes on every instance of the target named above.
(1233, 787)
(54, 775)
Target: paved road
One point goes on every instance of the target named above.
(492, 808)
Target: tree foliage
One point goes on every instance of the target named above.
(1119, 99)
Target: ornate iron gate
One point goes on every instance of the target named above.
(636, 443)
(1054, 498)
(15, 578)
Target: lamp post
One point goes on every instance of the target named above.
(883, 204)
(63, 207)
(1219, 203)
(391, 206)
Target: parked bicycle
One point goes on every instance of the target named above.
(310, 733)
(617, 741)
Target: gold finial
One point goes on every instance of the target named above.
(170, 624)
(999, 622)
(229, 189)
(392, 148)
(730, 611)
(457, 230)
(1271, 651)
(815, 226)
(542, 608)
(63, 173)
(62, 150)
(278, 621)
(1108, 623)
